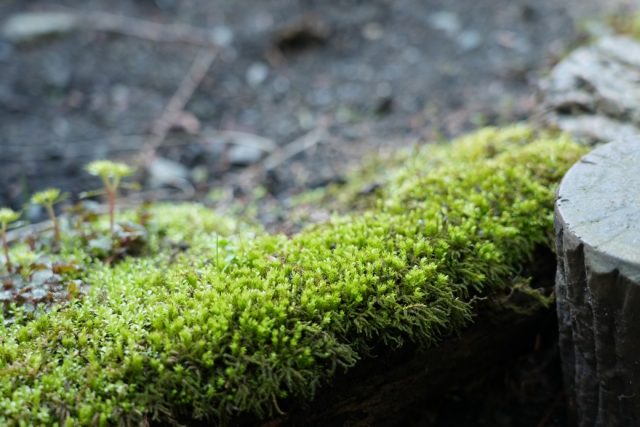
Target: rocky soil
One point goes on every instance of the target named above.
(351, 76)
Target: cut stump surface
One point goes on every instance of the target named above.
(594, 93)
(598, 285)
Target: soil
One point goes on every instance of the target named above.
(376, 73)
(373, 74)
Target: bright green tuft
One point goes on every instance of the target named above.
(107, 169)
(47, 197)
(627, 24)
(7, 216)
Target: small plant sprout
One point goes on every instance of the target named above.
(111, 174)
(7, 216)
(48, 198)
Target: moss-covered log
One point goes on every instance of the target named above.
(244, 323)
(392, 387)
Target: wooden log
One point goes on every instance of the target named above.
(598, 285)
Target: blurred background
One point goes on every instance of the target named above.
(219, 99)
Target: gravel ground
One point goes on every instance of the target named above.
(373, 74)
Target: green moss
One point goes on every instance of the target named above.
(381, 175)
(241, 319)
(628, 24)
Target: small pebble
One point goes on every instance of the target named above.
(257, 74)
(448, 22)
(165, 172)
(244, 155)
(222, 36)
(469, 40)
(373, 31)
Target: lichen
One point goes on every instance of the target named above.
(241, 319)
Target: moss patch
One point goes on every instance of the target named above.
(381, 175)
(242, 319)
(628, 24)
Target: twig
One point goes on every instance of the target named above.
(63, 19)
(135, 27)
(299, 145)
(241, 138)
(179, 100)
(147, 30)
(249, 175)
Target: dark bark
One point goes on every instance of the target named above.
(598, 286)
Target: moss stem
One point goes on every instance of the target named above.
(56, 223)
(5, 247)
(111, 201)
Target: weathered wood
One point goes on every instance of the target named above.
(594, 92)
(598, 285)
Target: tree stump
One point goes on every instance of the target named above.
(594, 93)
(598, 285)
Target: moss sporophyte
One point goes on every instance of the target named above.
(111, 174)
(47, 199)
(7, 216)
(231, 325)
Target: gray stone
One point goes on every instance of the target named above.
(244, 148)
(594, 93)
(222, 36)
(598, 285)
(41, 277)
(244, 155)
(164, 172)
(257, 73)
(34, 213)
(469, 40)
(373, 31)
(445, 21)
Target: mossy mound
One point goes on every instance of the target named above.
(627, 24)
(241, 320)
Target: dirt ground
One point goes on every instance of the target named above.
(372, 73)
(322, 83)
